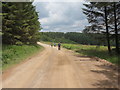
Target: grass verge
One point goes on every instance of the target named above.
(92, 50)
(12, 54)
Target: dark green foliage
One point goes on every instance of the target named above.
(84, 38)
(54, 37)
(73, 37)
(20, 23)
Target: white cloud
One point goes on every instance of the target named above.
(59, 0)
(61, 17)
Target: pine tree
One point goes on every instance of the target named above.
(116, 30)
(97, 16)
(20, 23)
(105, 14)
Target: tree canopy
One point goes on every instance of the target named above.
(20, 23)
(104, 17)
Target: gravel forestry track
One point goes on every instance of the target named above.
(54, 68)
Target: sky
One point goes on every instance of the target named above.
(61, 16)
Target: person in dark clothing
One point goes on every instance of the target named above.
(59, 45)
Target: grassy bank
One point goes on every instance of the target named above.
(12, 54)
(92, 50)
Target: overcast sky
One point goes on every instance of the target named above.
(61, 16)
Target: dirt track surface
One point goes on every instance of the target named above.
(54, 68)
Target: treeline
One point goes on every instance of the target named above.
(54, 37)
(104, 17)
(20, 23)
(74, 37)
(87, 39)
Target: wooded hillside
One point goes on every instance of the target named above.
(74, 37)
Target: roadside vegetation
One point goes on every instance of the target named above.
(13, 54)
(20, 32)
(93, 50)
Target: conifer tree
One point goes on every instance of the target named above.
(103, 14)
(20, 23)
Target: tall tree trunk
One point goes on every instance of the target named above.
(107, 31)
(116, 31)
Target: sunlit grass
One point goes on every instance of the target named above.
(12, 54)
(93, 50)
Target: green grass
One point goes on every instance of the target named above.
(92, 50)
(13, 54)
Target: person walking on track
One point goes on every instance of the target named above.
(59, 46)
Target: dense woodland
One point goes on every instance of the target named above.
(74, 37)
(20, 23)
